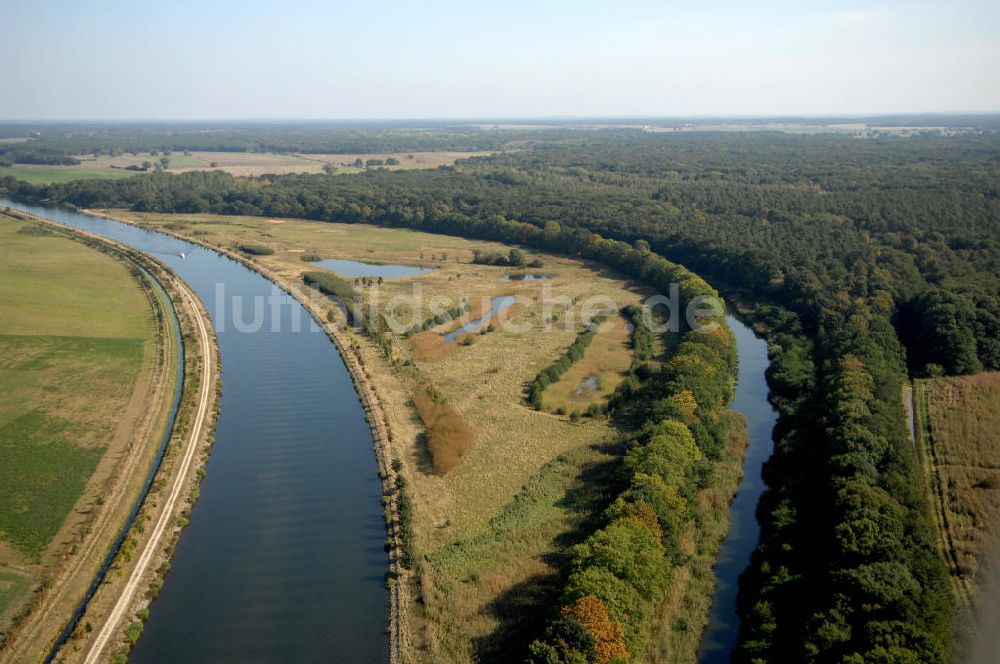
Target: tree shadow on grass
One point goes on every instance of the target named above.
(524, 609)
(521, 611)
(422, 455)
(595, 486)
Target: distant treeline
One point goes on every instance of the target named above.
(316, 137)
(795, 220)
(29, 153)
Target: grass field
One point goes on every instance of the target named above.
(962, 418)
(238, 163)
(57, 174)
(594, 377)
(76, 333)
(14, 587)
(494, 528)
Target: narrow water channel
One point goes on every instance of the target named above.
(751, 401)
(284, 557)
(497, 305)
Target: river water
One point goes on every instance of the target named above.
(751, 401)
(284, 556)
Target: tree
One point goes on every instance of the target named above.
(565, 641)
(630, 551)
(165, 162)
(609, 641)
(329, 168)
(669, 453)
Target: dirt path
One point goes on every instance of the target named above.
(933, 484)
(118, 487)
(65, 585)
(166, 518)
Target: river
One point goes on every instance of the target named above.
(284, 556)
(751, 401)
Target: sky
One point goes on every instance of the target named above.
(374, 59)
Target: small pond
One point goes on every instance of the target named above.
(346, 268)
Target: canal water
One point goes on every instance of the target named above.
(284, 556)
(751, 401)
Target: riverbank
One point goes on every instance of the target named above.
(78, 354)
(173, 490)
(359, 356)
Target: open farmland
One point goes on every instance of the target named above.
(78, 364)
(961, 418)
(54, 174)
(529, 478)
(106, 167)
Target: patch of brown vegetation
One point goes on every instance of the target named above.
(448, 436)
(963, 422)
(430, 346)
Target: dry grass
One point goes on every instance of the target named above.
(604, 365)
(964, 423)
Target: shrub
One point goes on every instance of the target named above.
(255, 249)
(448, 436)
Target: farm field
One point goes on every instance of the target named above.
(961, 419)
(106, 167)
(490, 531)
(56, 174)
(78, 345)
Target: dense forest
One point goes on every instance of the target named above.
(56, 143)
(798, 220)
(867, 260)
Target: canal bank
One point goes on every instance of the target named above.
(284, 555)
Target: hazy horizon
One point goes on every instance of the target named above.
(112, 60)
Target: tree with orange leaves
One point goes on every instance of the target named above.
(591, 612)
